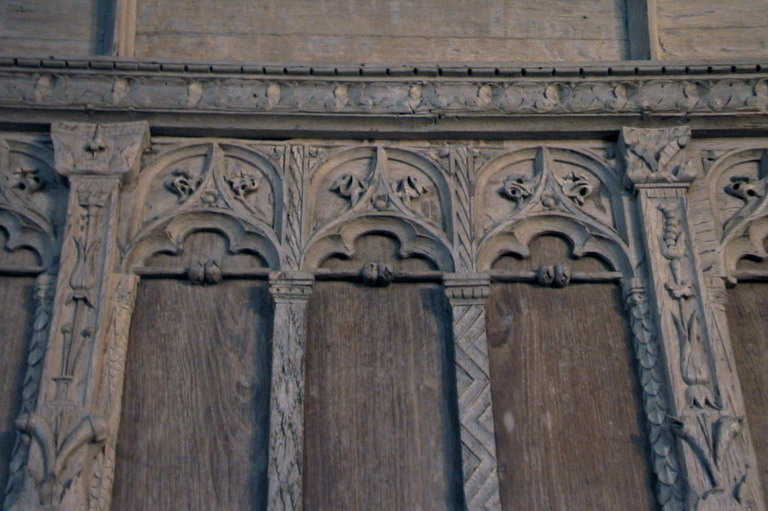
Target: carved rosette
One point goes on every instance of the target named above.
(290, 292)
(467, 294)
(704, 408)
(69, 426)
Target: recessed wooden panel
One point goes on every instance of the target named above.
(747, 305)
(567, 410)
(193, 433)
(379, 427)
(15, 331)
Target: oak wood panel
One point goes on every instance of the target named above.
(711, 29)
(748, 324)
(380, 421)
(568, 417)
(193, 433)
(52, 27)
(15, 331)
(385, 31)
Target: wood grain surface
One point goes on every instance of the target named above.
(15, 330)
(747, 320)
(193, 434)
(566, 400)
(379, 428)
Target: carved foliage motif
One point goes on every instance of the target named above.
(656, 155)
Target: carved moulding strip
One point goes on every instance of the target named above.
(703, 413)
(70, 424)
(467, 294)
(620, 88)
(290, 291)
(664, 455)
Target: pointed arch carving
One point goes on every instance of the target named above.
(373, 189)
(532, 192)
(216, 187)
(738, 186)
(32, 200)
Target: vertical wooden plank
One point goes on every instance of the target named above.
(748, 323)
(642, 30)
(194, 433)
(568, 418)
(15, 330)
(380, 423)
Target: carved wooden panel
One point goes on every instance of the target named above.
(569, 425)
(16, 302)
(193, 431)
(748, 323)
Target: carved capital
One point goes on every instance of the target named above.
(99, 149)
(291, 285)
(656, 156)
(467, 288)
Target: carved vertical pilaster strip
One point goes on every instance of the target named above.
(467, 294)
(715, 454)
(290, 292)
(730, 387)
(125, 300)
(293, 176)
(462, 170)
(43, 295)
(70, 424)
(664, 455)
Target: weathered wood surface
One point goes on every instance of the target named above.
(45, 27)
(712, 29)
(15, 330)
(380, 429)
(569, 427)
(391, 31)
(748, 323)
(194, 421)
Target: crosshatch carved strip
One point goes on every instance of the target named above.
(467, 294)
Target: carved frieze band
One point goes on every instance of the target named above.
(290, 292)
(70, 424)
(655, 91)
(706, 417)
(467, 294)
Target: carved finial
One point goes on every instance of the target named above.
(656, 155)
